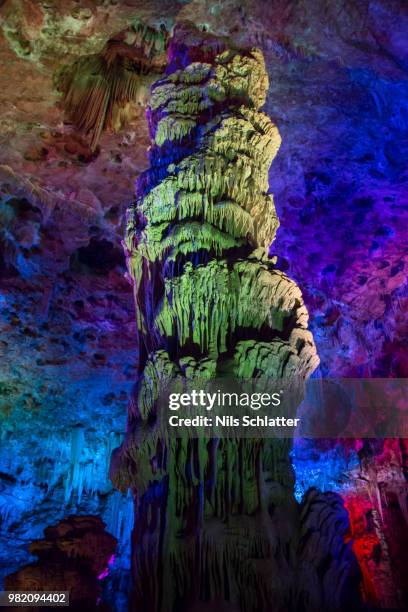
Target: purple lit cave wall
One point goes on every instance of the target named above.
(74, 86)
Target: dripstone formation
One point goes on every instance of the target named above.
(216, 521)
(101, 90)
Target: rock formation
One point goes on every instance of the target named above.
(74, 555)
(100, 89)
(216, 520)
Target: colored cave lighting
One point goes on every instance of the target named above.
(203, 223)
(105, 572)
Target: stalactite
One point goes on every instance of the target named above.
(216, 519)
(98, 89)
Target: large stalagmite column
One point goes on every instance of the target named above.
(215, 520)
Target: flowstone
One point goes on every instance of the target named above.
(216, 520)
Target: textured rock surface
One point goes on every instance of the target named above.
(338, 90)
(219, 515)
(74, 555)
(102, 91)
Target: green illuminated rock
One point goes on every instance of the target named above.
(215, 519)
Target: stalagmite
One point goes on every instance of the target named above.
(216, 519)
